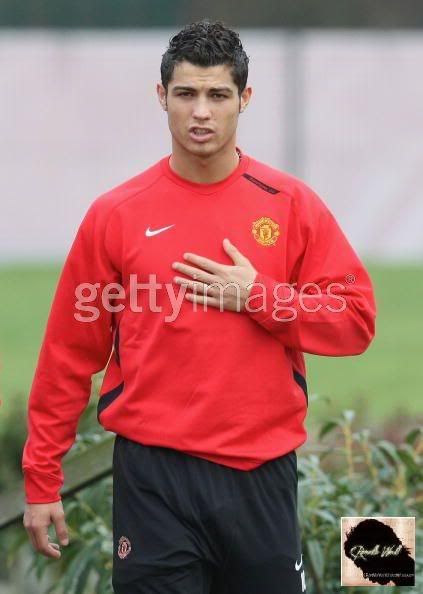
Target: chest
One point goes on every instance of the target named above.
(158, 231)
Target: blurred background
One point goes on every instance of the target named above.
(337, 100)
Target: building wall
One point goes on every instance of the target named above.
(340, 109)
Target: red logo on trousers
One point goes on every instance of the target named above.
(124, 547)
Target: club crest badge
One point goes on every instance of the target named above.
(265, 231)
(124, 547)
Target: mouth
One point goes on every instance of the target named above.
(200, 134)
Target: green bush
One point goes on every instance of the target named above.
(347, 474)
(352, 475)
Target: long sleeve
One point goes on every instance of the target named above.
(327, 307)
(77, 343)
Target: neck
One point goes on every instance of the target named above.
(209, 169)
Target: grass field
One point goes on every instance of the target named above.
(386, 380)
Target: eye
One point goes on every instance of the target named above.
(184, 94)
(220, 95)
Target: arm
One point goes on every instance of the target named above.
(71, 352)
(310, 314)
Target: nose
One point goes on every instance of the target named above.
(201, 109)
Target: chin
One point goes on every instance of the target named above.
(201, 149)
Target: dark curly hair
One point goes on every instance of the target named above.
(206, 43)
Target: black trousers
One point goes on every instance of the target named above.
(185, 525)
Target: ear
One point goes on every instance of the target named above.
(245, 98)
(161, 94)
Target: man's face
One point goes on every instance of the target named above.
(202, 97)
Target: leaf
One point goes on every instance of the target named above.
(314, 397)
(315, 554)
(367, 510)
(104, 585)
(83, 579)
(413, 436)
(53, 587)
(328, 427)
(76, 567)
(17, 540)
(389, 450)
(365, 434)
(325, 515)
(407, 457)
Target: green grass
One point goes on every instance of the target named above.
(27, 292)
(387, 379)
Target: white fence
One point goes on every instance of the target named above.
(342, 110)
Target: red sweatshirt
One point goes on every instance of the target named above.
(227, 386)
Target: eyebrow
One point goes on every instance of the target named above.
(212, 89)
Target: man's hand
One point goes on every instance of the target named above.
(209, 272)
(37, 518)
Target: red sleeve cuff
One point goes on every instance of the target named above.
(265, 299)
(41, 488)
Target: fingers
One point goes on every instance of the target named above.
(196, 273)
(237, 258)
(205, 299)
(42, 544)
(37, 518)
(207, 266)
(195, 285)
(61, 528)
(32, 539)
(203, 262)
(242, 274)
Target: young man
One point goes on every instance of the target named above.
(200, 283)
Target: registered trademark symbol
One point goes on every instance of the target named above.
(350, 279)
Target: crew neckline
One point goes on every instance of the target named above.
(200, 188)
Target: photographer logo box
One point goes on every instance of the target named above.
(378, 551)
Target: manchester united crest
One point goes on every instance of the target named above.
(124, 547)
(265, 231)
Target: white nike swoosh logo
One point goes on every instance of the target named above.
(149, 232)
(297, 567)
